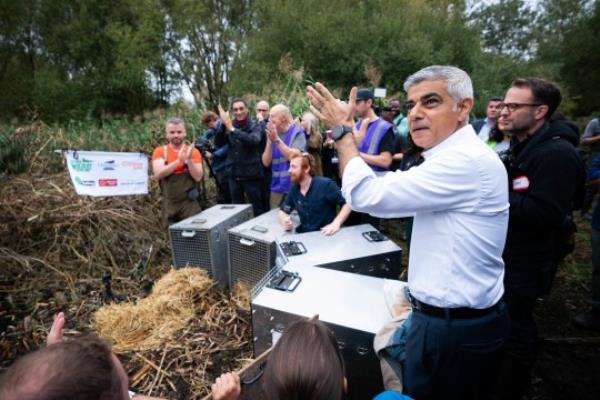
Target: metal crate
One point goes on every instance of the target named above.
(351, 305)
(348, 250)
(253, 248)
(201, 240)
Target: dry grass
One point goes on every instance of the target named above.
(54, 249)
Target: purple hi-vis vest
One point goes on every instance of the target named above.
(280, 165)
(370, 144)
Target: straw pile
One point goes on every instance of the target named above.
(154, 320)
(55, 247)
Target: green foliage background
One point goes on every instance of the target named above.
(68, 60)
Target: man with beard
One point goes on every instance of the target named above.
(543, 170)
(459, 200)
(177, 167)
(314, 197)
(285, 140)
(243, 158)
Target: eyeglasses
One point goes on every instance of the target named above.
(515, 106)
(259, 110)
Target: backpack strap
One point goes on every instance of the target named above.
(165, 154)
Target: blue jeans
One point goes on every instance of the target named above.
(454, 358)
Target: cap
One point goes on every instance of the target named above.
(364, 94)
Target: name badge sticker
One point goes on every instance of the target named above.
(520, 183)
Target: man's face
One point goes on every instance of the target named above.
(395, 106)
(387, 116)
(493, 111)
(279, 120)
(522, 120)
(262, 108)
(239, 110)
(433, 115)
(176, 134)
(296, 172)
(362, 107)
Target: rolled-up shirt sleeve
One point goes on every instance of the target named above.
(441, 183)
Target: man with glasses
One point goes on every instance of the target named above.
(459, 200)
(315, 198)
(543, 170)
(243, 157)
(484, 127)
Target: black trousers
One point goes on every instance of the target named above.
(522, 289)
(223, 195)
(252, 189)
(454, 358)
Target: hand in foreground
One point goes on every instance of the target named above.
(330, 229)
(224, 115)
(56, 331)
(226, 387)
(328, 109)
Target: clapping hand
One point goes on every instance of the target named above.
(328, 109)
(224, 115)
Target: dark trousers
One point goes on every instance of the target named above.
(223, 194)
(522, 289)
(252, 189)
(454, 358)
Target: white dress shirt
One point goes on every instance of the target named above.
(459, 198)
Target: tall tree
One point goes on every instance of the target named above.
(506, 27)
(204, 40)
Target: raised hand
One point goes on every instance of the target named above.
(328, 109)
(56, 331)
(224, 115)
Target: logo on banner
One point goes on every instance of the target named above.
(133, 164)
(82, 182)
(107, 182)
(82, 165)
(109, 165)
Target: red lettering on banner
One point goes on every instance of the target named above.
(107, 182)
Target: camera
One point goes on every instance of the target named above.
(204, 145)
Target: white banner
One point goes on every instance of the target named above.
(100, 173)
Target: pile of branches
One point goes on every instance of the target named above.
(56, 248)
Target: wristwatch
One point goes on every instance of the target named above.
(339, 131)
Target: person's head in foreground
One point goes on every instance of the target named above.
(84, 368)
(306, 363)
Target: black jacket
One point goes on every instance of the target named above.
(244, 155)
(549, 161)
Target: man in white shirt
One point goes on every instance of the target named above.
(459, 199)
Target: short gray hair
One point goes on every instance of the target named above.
(175, 121)
(458, 81)
(283, 109)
